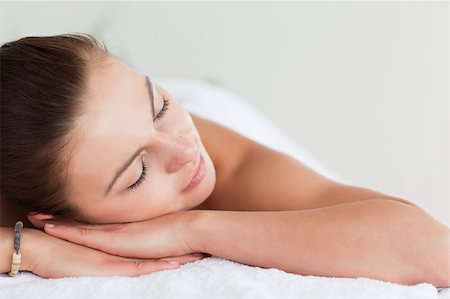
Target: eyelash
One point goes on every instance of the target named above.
(144, 166)
(164, 108)
(141, 178)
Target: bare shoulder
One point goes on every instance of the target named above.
(253, 177)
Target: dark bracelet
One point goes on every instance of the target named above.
(15, 264)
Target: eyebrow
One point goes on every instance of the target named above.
(127, 163)
(151, 95)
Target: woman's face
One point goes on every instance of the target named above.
(119, 135)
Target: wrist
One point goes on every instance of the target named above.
(193, 230)
(7, 249)
(28, 248)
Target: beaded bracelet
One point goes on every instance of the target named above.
(15, 264)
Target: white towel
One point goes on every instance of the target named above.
(209, 278)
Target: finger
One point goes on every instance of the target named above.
(105, 227)
(138, 267)
(98, 239)
(185, 258)
(38, 223)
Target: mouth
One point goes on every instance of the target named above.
(198, 175)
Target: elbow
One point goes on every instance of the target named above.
(440, 275)
(432, 258)
(424, 247)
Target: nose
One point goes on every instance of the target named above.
(179, 151)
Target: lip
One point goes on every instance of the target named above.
(198, 176)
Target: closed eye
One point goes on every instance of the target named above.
(141, 178)
(160, 115)
(164, 108)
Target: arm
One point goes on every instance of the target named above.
(50, 257)
(376, 238)
(7, 248)
(380, 239)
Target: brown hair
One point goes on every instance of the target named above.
(43, 82)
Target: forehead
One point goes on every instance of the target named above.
(116, 109)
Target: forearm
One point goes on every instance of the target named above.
(6, 248)
(378, 239)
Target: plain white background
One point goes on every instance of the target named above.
(363, 86)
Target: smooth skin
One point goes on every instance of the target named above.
(251, 195)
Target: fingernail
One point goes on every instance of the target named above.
(169, 259)
(173, 264)
(49, 225)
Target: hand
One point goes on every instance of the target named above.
(51, 257)
(166, 235)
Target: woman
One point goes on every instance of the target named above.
(129, 177)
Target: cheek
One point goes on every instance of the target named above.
(135, 206)
(154, 199)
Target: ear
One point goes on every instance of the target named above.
(38, 220)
